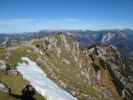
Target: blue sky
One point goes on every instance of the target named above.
(34, 15)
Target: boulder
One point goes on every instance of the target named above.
(2, 66)
(3, 88)
(12, 72)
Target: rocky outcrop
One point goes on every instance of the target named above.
(81, 71)
(3, 88)
(12, 72)
(2, 65)
(119, 71)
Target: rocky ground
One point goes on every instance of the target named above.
(95, 73)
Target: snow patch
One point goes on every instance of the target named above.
(43, 85)
(107, 37)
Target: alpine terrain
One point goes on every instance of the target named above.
(68, 65)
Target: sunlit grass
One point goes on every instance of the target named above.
(2, 53)
(4, 96)
(18, 53)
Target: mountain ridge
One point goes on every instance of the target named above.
(95, 73)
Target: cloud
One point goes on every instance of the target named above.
(36, 20)
(14, 22)
(35, 24)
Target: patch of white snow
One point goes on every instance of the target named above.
(43, 85)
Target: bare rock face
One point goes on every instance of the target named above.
(120, 71)
(81, 71)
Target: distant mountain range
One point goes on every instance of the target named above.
(123, 39)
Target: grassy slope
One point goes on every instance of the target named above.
(2, 53)
(16, 55)
(16, 83)
(4, 96)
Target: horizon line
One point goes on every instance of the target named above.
(63, 30)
